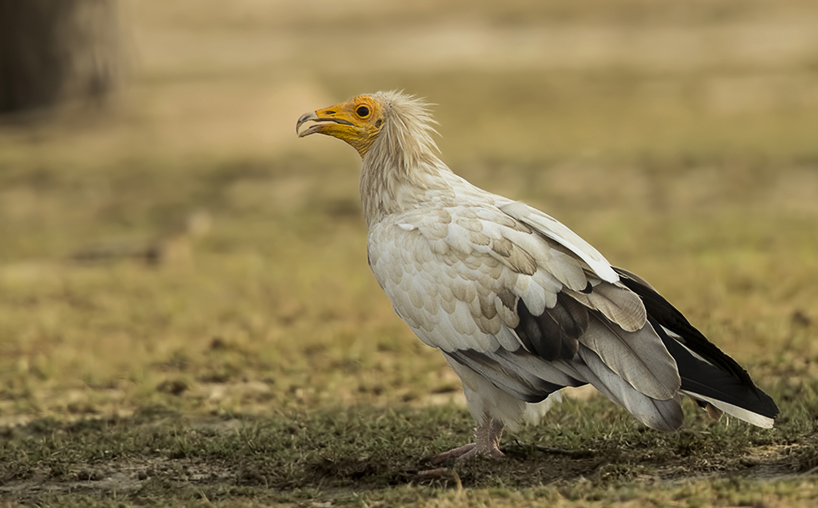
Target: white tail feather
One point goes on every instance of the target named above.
(740, 413)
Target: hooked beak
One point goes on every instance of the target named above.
(312, 129)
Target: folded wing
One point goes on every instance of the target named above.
(517, 306)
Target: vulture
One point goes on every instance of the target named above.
(519, 305)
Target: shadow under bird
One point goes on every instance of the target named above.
(519, 305)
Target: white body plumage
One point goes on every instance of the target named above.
(519, 304)
(454, 260)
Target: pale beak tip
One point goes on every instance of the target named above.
(306, 117)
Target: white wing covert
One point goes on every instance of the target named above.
(526, 312)
(555, 230)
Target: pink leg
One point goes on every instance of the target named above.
(456, 453)
(487, 442)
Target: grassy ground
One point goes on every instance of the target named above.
(186, 314)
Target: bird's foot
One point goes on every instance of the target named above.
(466, 452)
(487, 443)
(455, 453)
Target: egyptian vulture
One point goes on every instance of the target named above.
(519, 305)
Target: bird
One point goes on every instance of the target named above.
(519, 305)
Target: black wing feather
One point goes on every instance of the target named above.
(722, 378)
(668, 316)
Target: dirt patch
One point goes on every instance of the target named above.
(172, 457)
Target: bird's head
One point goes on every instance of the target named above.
(357, 121)
(400, 123)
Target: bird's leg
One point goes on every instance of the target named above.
(487, 442)
(495, 435)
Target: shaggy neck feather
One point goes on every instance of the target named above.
(401, 168)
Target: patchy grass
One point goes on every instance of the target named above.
(362, 455)
(186, 314)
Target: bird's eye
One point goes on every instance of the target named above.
(362, 111)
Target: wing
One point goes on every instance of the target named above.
(550, 227)
(708, 375)
(522, 308)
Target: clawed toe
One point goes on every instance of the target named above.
(466, 452)
(456, 454)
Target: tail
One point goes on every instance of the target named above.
(710, 377)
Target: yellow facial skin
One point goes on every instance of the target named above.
(358, 122)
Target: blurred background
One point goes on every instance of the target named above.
(167, 241)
